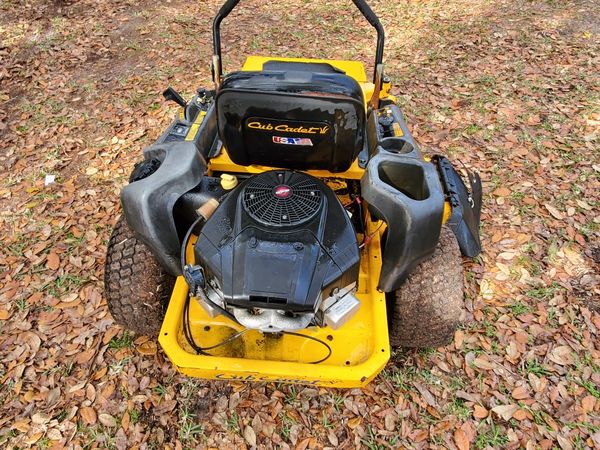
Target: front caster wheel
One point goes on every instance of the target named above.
(427, 308)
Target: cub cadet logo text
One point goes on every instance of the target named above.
(287, 128)
(227, 376)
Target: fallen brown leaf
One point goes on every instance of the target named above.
(502, 192)
(505, 411)
(88, 415)
(107, 420)
(479, 412)
(554, 212)
(53, 261)
(461, 440)
(520, 393)
(562, 355)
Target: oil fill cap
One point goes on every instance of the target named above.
(228, 181)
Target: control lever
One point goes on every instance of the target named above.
(386, 122)
(171, 94)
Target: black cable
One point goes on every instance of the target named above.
(223, 311)
(368, 238)
(329, 351)
(188, 332)
(183, 264)
(360, 214)
(186, 241)
(228, 340)
(186, 309)
(190, 338)
(202, 350)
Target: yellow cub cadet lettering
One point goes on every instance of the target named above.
(287, 128)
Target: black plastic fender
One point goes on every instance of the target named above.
(407, 194)
(148, 203)
(466, 205)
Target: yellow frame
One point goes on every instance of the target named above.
(360, 348)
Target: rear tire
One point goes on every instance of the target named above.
(137, 289)
(427, 308)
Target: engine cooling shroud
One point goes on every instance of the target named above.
(287, 239)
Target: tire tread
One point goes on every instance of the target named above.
(137, 289)
(428, 307)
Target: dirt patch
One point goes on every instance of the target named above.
(584, 20)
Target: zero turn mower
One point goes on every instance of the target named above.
(286, 227)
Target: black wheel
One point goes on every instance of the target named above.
(427, 308)
(137, 289)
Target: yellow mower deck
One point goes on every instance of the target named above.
(360, 348)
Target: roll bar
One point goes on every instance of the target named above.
(362, 6)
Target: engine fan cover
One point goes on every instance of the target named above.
(281, 240)
(282, 198)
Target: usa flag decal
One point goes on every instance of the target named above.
(292, 141)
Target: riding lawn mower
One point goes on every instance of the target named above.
(286, 227)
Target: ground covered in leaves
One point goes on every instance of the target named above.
(510, 88)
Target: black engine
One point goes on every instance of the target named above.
(281, 241)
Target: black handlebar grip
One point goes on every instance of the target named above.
(372, 18)
(366, 10)
(223, 12)
(228, 7)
